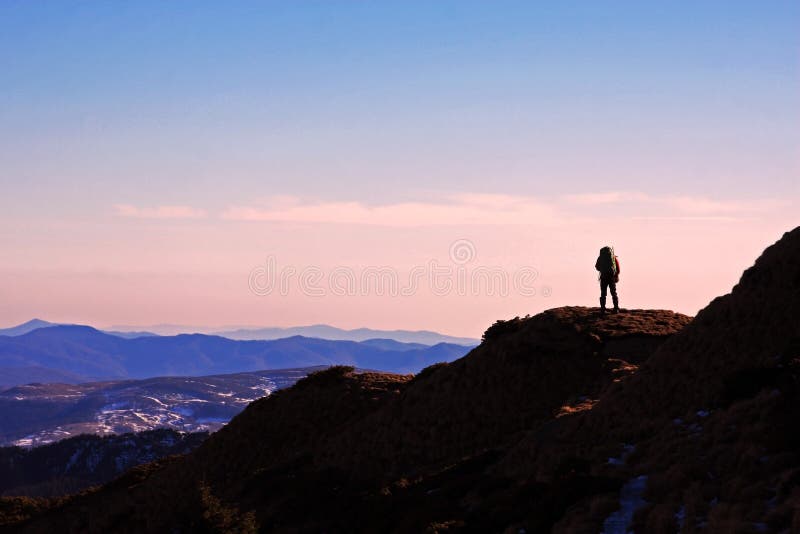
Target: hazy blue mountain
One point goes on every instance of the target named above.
(35, 324)
(323, 331)
(88, 353)
(424, 337)
(24, 328)
(10, 376)
(129, 335)
(160, 329)
(391, 344)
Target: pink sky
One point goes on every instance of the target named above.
(152, 157)
(190, 265)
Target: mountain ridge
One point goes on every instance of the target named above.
(323, 331)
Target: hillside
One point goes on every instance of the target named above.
(348, 430)
(567, 422)
(76, 463)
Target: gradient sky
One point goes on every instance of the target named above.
(153, 154)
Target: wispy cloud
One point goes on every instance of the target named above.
(469, 209)
(159, 212)
(475, 209)
(701, 205)
(497, 209)
(608, 197)
(646, 206)
(685, 218)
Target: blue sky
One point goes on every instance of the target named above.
(338, 96)
(209, 105)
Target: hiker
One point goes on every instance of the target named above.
(608, 265)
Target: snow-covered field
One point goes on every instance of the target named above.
(185, 404)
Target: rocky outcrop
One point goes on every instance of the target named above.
(514, 382)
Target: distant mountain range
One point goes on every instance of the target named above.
(323, 331)
(75, 353)
(35, 324)
(424, 337)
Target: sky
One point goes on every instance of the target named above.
(417, 165)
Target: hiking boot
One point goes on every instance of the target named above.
(616, 310)
(602, 312)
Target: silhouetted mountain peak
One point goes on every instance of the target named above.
(755, 326)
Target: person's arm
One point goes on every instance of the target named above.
(616, 260)
(597, 264)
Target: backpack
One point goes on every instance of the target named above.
(606, 263)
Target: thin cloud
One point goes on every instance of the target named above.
(700, 205)
(688, 218)
(609, 197)
(645, 206)
(471, 209)
(476, 209)
(496, 209)
(159, 212)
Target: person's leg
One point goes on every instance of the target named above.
(603, 288)
(614, 297)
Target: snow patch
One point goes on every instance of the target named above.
(630, 500)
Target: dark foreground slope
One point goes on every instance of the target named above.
(711, 420)
(368, 451)
(561, 422)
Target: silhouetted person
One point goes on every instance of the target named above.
(608, 265)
